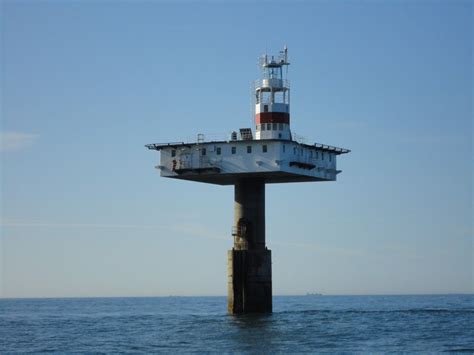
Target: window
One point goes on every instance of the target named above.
(284, 147)
(279, 98)
(275, 126)
(218, 150)
(269, 126)
(203, 151)
(280, 126)
(249, 149)
(173, 153)
(330, 157)
(265, 108)
(322, 156)
(310, 153)
(265, 97)
(233, 150)
(264, 148)
(317, 155)
(263, 127)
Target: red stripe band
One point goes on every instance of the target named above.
(272, 117)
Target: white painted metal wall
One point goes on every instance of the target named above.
(277, 158)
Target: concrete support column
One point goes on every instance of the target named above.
(249, 262)
(249, 213)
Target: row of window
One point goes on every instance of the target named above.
(233, 150)
(265, 97)
(312, 154)
(270, 127)
(264, 150)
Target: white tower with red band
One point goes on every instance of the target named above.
(272, 99)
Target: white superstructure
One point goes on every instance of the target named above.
(273, 160)
(271, 155)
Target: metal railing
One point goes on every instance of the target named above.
(260, 83)
(298, 138)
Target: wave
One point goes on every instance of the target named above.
(362, 311)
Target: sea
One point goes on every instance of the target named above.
(313, 323)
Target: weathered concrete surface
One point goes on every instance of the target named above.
(249, 262)
(249, 212)
(250, 281)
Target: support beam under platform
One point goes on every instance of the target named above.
(249, 261)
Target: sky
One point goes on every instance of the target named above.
(86, 84)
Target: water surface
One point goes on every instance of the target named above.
(299, 323)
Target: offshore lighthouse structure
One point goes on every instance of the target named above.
(249, 162)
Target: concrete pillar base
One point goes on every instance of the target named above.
(249, 281)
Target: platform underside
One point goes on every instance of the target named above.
(230, 179)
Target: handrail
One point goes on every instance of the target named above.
(159, 146)
(332, 148)
(259, 83)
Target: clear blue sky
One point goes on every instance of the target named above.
(85, 84)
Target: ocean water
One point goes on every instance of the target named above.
(298, 324)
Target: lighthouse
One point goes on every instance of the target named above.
(272, 99)
(249, 159)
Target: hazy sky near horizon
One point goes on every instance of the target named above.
(85, 84)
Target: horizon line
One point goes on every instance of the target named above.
(278, 295)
